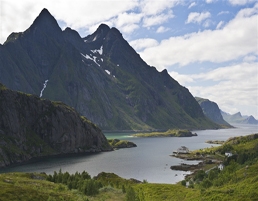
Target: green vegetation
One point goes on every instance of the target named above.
(2, 87)
(215, 141)
(237, 181)
(115, 143)
(168, 133)
(30, 187)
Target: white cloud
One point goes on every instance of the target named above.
(223, 12)
(209, 1)
(143, 43)
(129, 28)
(151, 7)
(241, 2)
(126, 15)
(234, 84)
(162, 29)
(76, 14)
(236, 39)
(207, 23)
(250, 58)
(220, 24)
(192, 5)
(195, 17)
(128, 18)
(181, 78)
(157, 19)
(127, 22)
(84, 13)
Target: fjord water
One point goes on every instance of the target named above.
(150, 160)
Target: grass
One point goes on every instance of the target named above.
(168, 133)
(157, 192)
(27, 186)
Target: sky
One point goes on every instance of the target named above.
(208, 46)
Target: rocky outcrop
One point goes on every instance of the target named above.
(31, 127)
(118, 144)
(187, 167)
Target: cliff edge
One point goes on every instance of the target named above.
(32, 127)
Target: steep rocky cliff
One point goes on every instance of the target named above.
(31, 127)
(212, 111)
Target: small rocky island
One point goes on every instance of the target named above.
(168, 133)
(118, 144)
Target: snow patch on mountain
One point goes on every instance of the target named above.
(93, 59)
(100, 51)
(44, 86)
(107, 71)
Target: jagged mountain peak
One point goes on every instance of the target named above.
(238, 118)
(46, 22)
(103, 28)
(238, 114)
(98, 35)
(72, 35)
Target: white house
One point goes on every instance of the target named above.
(221, 166)
(228, 154)
(183, 150)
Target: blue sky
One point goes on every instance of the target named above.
(208, 46)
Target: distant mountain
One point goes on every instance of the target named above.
(238, 118)
(31, 127)
(212, 111)
(101, 76)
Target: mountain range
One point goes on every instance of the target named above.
(238, 118)
(101, 76)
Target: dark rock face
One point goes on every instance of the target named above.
(32, 127)
(212, 111)
(101, 76)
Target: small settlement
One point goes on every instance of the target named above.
(182, 150)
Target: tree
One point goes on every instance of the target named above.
(130, 194)
(90, 187)
(123, 189)
(200, 175)
(206, 183)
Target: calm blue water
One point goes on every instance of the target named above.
(150, 160)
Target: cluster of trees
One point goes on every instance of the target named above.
(91, 186)
(80, 181)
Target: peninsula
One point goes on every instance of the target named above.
(168, 133)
